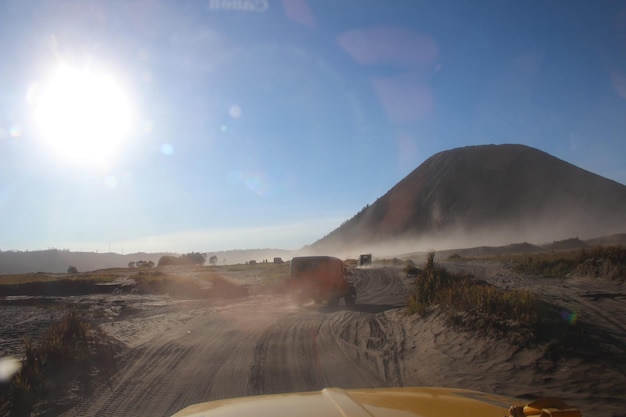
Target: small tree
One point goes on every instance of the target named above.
(72, 270)
(167, 260)
(193, 258)
(213, 260)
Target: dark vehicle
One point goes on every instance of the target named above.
(321, 279)
(365, 259)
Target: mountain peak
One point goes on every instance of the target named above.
(488, 194)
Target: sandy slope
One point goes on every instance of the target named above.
(179, 353)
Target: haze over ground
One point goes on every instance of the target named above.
(192, 126)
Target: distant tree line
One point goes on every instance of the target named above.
(193, 258)
(141, 264)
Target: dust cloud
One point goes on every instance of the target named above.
(542, 229)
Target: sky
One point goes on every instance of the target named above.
(152, 125)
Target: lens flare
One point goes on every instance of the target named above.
(15, 131)
(8, 367)
(235, 112)
(255, 181)
(570, 317)
(167, 149)
(110, 181)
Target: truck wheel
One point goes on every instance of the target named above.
(350, 297)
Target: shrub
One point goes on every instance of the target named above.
(553, 264)
(601, 261)
(193, 258)
(476, 304)
(167, 260)
(143, 264)
(430, 281)
(68, 351)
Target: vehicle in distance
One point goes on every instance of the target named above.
(321, 279)
(381, 402)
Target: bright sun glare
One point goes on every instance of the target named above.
(82, 114)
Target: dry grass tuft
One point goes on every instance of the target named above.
(602, 261)
(476, 305)
(69, 353)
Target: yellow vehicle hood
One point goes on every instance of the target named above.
(376, 402)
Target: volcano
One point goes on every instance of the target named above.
(512, 193)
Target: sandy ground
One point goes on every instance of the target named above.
(175, 352)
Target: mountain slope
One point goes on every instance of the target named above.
(509, 192)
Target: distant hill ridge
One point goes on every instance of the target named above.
(58, 261)
(503, 190)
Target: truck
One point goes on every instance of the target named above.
(320, 279)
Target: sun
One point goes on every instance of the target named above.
(82, 114)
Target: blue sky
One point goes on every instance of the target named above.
(267, 123)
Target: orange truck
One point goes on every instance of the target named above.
(320, 279)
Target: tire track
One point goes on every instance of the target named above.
(310, 351)
(381, 286)
(285, 356)
(173, 371)
(374, 342)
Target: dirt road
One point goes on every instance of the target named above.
(186, 352)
